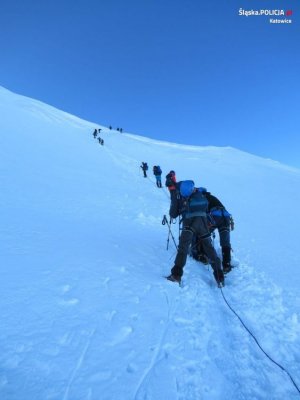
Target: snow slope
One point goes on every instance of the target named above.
(85, 312)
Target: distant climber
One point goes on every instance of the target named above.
(144, 167)
(171, 183)
(157, 173)
(95, 133)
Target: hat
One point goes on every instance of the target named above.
(187, 188)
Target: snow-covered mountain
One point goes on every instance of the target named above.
(85, 311)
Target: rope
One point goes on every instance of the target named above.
(154, 183)
(256, 341)
(165, 221)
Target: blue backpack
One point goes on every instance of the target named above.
(195, 202)
(157, 170)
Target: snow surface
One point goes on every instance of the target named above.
(85, 311)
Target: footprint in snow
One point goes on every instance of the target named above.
(69, 303)
(106, 281)
(121, 336)
(66, 289)
(109, 315)
(131, 368)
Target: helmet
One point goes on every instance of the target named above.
(187, 188)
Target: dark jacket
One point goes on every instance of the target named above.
(213, 202)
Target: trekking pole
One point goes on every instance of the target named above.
(168, 240)
(164, 222)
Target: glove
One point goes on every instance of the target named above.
(231, 223)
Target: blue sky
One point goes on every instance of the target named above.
(187, 71)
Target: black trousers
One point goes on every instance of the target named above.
(198, 226)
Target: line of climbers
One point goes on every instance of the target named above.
(200, 213)
(156, 172)
(98, 130)
(95, 134)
